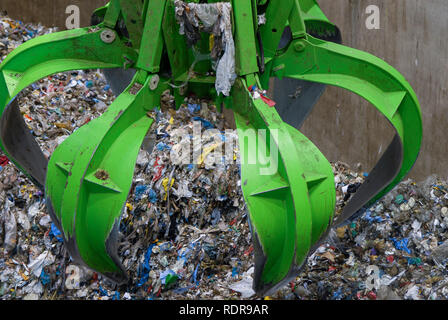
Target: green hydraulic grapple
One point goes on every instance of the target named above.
(226, 52)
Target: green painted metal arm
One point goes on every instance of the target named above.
(87, 184)
(58, 52)
(371, 78)
(292, 206)
(310, 59)
(119, 131)
(49, 54)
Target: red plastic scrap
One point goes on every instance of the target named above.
(293, 286)
(158, 168)
(87, 121)
(268, 101)
(271, 103)
(252, 88)
(371, 295)
(249, 251)
(4, 161)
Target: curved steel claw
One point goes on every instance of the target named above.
(20, 145)
(289, 190)
(380, 84)
(90, 175)
(96, 146)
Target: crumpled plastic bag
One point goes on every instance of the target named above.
(216, 18)
(440, 254)
(245, 286)
(43, 260)
(10, 229)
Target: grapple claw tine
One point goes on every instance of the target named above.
(89, 178)
(290, 206)
(386, 89)
(20, 145)
(58, 52)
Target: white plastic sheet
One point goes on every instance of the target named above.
(216, 19)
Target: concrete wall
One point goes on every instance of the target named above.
(49, 12)
(412, 38)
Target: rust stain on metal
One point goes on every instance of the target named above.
(135, 88)
(118, 116)
(102, 175)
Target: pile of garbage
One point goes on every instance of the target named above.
(396, 250)
(184, 232)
